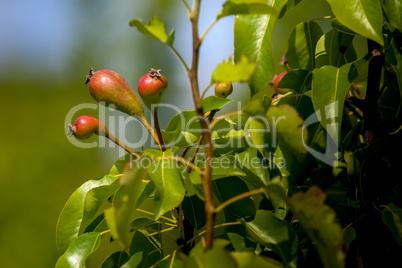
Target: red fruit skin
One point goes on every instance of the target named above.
(151, 89)
(110, 87)
(275, 82)
(85, 126)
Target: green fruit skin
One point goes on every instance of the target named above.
(85, 126)
(111, 88)
(151, 89)
(223, 89)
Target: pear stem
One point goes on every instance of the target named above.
(119, 143)
(157, 128)
(144, 121)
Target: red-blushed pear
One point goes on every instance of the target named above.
(85, 126)
(151, 87)
(111, 88)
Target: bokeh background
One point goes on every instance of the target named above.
(46, 50)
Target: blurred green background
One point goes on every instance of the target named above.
(46, 50)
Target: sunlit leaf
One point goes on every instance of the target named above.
(290, 4)
(318, 220)
(216, 257)
(234, 7)
(363, 17)
(393, 9)
(81, 208)
(275, 234)
(134, 261)
(119, 217)
(79, 250)
(301, 45)
(155, 28)
(341, 28)
(241, 71)
(329, 88)
(168, 183)
(256, 132)
(253, 39)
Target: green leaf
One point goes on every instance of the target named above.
(297, 80)
(221, 167)
(257, 173)
(349, 234)
(184, 129)
(392, 217)
(241, 71)
(256, 134)
(394, 58)
(115, 260)
(318, 220)
(253, 39)
(301, 45)
(192, 205)
(119, 165)
(286, 124)
(217, 257)
(229, 187)
(276, 191)
(148, 245)
(329, 88)
(289, 5)
(134, 261)
(249, 259)
(79, 250)
(274, 233)
(119, 217)
(341, 28)
(234, 7)
(328, 49)
(259, 103)
(168, 183)
(362, 16)
(237, 242)
(155, 28)
(81, 208)
(393, 9)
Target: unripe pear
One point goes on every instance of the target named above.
(223, 89)
(111, 88)
(151, 87)
(275, 81)
(86, 126)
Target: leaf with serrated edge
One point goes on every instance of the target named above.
(155, 28)
(238, 72)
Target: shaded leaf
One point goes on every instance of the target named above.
(297, 80)
(155, 28)
(134, 261)
(392, 217)
(237, 242)
(334, 48)
(341, 28)
(241, 71)
(290, 4)
(394, 58)
(148, 246)
(275, 234)
(318, 220)
(234, 7)
(115, 260)
(229, 187)
(259, 103)
(250, 259)
(287, 126)
(256, 168)
(253, 39)
(301, 45)
(81, 208)
(349, 234)
(256, 131)
(192, 207)
(363, 17)
(79, 250)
